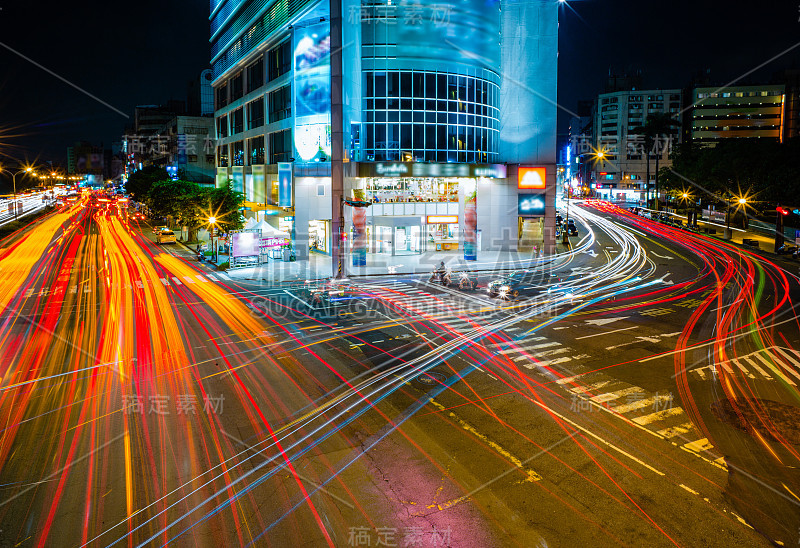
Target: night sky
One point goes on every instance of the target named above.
(145, 52)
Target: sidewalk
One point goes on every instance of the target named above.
(318, 265)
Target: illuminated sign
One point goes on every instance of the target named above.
(285, 184)
(312, 92)
(531, 205)
(391, 169)
(416, 169)
(244, 244)
(532, 177)
(442, 219)
(273, 242)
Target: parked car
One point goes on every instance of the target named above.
(166, 237)
(571, 228)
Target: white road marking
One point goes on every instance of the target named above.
(603, 321)
(176, 280)
(606, 332)
(674, 431)
(658, 416)
(654, 402)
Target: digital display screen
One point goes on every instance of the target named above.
(531, 205)
(245, 244)
(312, 91)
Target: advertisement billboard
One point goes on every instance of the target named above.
(531, 205)
(359, 236)
(312, 92)
(532, 178)
(470, 222)
(245, 244)
(285, 184)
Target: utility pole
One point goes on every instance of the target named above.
(337, 142)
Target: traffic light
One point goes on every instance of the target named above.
(782, 210)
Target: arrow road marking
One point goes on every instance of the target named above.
(661, 256)
(604, 321)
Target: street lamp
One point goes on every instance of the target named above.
(741, 203)
(14, 181)
(211, 222)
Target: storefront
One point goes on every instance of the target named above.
(442, 232)
(396, 236)
(319, 235)
(415, 206)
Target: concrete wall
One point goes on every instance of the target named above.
(497, 214)
(309, 206)
(528, 90)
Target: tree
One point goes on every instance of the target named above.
(225, 204)
(140, 182)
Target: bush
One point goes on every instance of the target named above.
(224, 266)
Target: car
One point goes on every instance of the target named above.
(166, 237)
(158, 229)
(571, 228)
(514, 284)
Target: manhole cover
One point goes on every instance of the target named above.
(431, 378)
(770, 419)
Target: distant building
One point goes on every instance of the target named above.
(185, 144)
(617, 119)
(737, 112)
(200, 95)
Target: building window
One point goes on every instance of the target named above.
(280, 104)
(280, 146)
(255, 113)
(280, 60)
(222, 156)
(192, 158)
(256, 149)
(209, 158)
(255, 75)
(237, 153)
(237, 121)
(237, 87)
(222, 126)
(222, 96)
(431, 117)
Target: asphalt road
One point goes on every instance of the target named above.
(642, 394)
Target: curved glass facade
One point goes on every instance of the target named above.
(431, 116)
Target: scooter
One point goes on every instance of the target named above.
(201, 256)
(441, 276)
(465, 281)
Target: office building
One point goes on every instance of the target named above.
(738, 112)
(449, 119)
(621, 172)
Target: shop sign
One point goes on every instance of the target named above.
(416, 169)
(532, 178)
(441, 219)
(531, 205)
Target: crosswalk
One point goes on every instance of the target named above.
(412, 299)
(537, 352)
(656, 412)
(769, 364)
(206, 277)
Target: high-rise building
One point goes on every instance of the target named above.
(616, 163)
(449, 117)
(733, 112)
